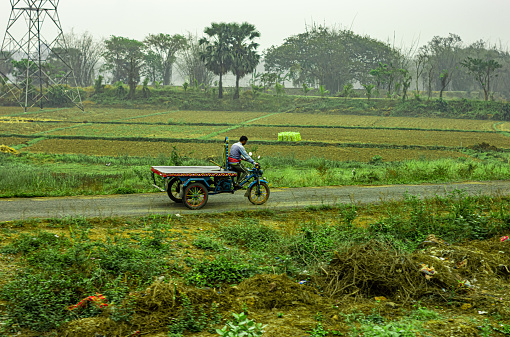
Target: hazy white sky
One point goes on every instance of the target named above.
(410, 21)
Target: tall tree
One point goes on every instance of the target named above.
(444, 58)
(190, 65)
(166, 46)
(125, 57)
(218, 53)
(114, 57)
(153, 69)
(420, 63)
(483, 71)
(327, 56)
(84, 56)
(244, 51)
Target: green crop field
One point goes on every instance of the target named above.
(327, 119)
(321, 133)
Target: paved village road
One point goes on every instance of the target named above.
(150, 203)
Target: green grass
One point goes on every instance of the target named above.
(31, 175)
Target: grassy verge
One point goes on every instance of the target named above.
(30, 175)
(175, 275)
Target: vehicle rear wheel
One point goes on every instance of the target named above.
(195, 196)
(174, 190)
(258, 196)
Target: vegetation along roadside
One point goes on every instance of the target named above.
(436, 266)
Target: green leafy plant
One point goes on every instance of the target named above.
(279, 89)
(219, 271)
(322, 91)
(306, 89)
(423, 314)
(318, 331)
(392, 329)
(348, 90)
(208, 243)
(98, 85)
(190, 318)
(241, 326)
(369, 88)
(376, 160)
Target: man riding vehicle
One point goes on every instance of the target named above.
(236, 155)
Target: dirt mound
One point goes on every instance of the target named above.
(376, 269)
(6, 149)
(153, 310)
(161, 304)
(275, 291)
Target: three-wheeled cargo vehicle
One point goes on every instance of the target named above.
(192, 185)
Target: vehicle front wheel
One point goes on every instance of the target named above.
(174, 190)
(195, 196)
(258, 196)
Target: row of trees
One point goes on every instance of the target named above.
(326, 58)
(226, 47)
(333, 58)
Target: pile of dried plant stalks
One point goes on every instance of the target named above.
(377, 269)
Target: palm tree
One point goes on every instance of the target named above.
(244, 55)
(217, 54)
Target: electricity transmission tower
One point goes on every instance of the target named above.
(34, 43)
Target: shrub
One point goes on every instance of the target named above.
(208, 243)
(218, 272)
(38, 301)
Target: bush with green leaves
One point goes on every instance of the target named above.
(193, 318)
(241, 326)
(61, 271)
(222, 270)
(208, 243)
